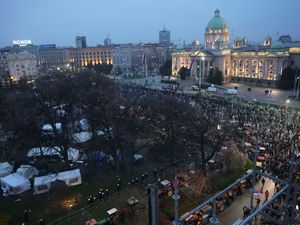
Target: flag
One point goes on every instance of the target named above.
(192, 64)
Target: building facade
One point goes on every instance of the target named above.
(258, 64)
(80, 42)
(164, 37)
(23, 64)
(122, 57)
(81, 57)
(51, 58)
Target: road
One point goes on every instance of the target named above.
(277, 96)
(235, 210)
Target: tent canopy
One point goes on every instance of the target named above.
(82, 137)
(66, 175)
(45, 179)
(45, 151)
(27, 171)
(14, 180)
(48, 127)
(5, 169)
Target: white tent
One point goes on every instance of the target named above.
(71, 177)
(84, 124)
(5, 169)
(27, 171)
(45, 151)
(48, 129)
(82, 137)
(43, 184)
(73, 154)
(14, 184)
(138, 158)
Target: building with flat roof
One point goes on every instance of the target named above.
(164, 37)
(82, 57)
(80, 42)
(22, 64)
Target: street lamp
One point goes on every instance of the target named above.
(201, 71)
(297, 77)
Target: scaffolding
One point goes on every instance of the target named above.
(288, 190)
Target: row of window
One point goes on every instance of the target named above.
(91, 53)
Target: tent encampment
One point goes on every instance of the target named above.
(5, 169)
(43, 184)
(27, 171)
(14, 184)
(71, 177)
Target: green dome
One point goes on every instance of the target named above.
(216, 23)
(277, 46)
(179, 47)
(268, 37)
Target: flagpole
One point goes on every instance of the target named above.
(295, 82)
(146, 67)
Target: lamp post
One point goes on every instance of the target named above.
(297, 77)
(201, 72)
(298, 80)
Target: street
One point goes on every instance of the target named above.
(277, 96)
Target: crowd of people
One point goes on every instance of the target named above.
(275, 129)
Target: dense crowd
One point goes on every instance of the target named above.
(275, 129)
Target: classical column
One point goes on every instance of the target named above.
(265, 70)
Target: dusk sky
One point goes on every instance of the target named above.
(59, 21)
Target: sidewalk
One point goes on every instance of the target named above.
(235, 211)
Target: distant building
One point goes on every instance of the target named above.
(254, 64)
(80, 42)
(107, 41)
(285, 39)
(122, 57)
(3, 62)
(81, 57)
(23, 64)
(164, 37)
(51, 58)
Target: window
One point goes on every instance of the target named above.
(73, 180)
(42, 187)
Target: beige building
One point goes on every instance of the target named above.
(81, 57)
(243, 62)
(22, 64)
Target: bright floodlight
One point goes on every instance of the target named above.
(288, 101)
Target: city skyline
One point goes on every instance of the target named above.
(60, 22)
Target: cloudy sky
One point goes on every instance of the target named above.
(59, 21)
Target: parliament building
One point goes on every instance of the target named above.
(239, 62)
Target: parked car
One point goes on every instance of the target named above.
(195, 87)
(212, 88)
(231, 91)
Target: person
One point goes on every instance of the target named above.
(263, 181)
(266, 195)
(257, 202)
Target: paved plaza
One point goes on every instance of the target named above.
(275, 96)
